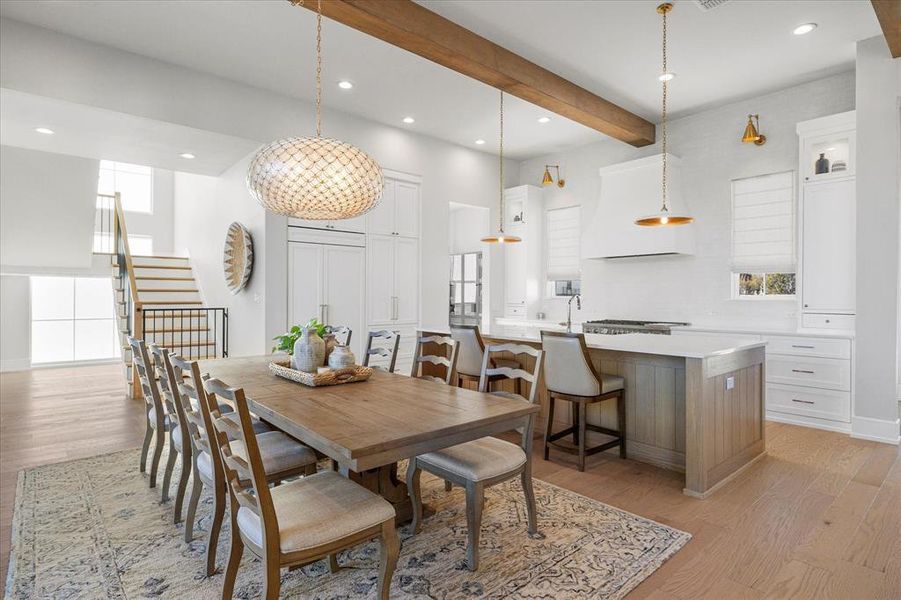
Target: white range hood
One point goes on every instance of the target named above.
(628, 191)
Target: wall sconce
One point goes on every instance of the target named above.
(752, 133)
(548, 180)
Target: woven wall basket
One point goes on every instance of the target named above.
(237, 258)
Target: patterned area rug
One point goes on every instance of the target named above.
(92, 528)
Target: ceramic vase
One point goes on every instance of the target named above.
(309, 351)
(341, 357)
(330, 343)
(822, 165)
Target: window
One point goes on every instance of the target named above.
(763, 236)
(466, 288)
(563, 251)
(133, 182)
(72, 319)
(137, 244)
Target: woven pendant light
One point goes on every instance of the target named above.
(315, 178)
(500, 237)
(664, 218)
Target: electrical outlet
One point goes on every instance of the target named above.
(730, 383)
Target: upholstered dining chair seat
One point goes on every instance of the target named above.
(151, 416)
(317, 510)
(279, 451)
(477, 460)
(611, 383)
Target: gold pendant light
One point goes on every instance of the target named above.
(664, 218)
(500, 237)
(752, 134)
(315, 178)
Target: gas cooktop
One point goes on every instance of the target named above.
(618, 326)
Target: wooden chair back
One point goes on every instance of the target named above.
(196, 408)
(492, 373)
(448, 360)
(143, 370)
(472, 349)
(169, 392)
(246, 478)
(342, 334)
(391, 341)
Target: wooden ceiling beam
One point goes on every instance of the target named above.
(408, 25)
(889, 14)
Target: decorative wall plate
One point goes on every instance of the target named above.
(237, 259)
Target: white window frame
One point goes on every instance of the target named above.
(110, 165)
(762, 297)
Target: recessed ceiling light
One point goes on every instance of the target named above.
(804, 28)
(44, 130)
(480, 141)
(187, 155)
(666, 76)
(345, 85)
(409, 120)
(543, 120)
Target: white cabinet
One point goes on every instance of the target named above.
(523, 261)
(398, 212)
(355, 225)
(393, 291)
(327, 282)
(828, 243)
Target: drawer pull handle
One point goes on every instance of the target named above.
(802, 371)
(802, 401)
(802, 346)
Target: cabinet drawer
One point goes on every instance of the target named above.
(515, 311)
(811, 371)
(840, 322)
(822, 404)
(804, 346)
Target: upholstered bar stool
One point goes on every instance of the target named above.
(469, 357)
(569, 375)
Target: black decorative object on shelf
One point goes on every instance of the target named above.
(822, 165)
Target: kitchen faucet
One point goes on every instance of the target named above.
(569, 311)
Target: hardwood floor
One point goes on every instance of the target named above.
(819, 517)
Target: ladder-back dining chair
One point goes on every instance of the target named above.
(157, 422)
(448, 358)
(388, 343)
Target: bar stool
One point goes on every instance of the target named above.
(569, 375)
(469, 358)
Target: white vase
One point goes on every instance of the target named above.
(341, 357)
(309, 351)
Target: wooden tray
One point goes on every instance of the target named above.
(335, 377)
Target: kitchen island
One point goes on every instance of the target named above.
(694, 404)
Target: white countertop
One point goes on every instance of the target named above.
(695, 346)
(751, 330)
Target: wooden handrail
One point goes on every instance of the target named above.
(129, 266)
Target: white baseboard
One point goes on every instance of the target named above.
(876, 430)
(804, 421)
(14, 364)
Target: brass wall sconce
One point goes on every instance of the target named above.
(752, 133)
(548, 180)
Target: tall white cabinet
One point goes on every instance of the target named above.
(363, 272)
(523, 261)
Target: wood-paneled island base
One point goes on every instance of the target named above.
(367, 427)
(693, 404)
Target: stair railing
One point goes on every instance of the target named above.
(127, 286)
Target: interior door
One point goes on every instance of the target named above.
(344, 290)
(305, 282)
(406, 280)
(381, 219)
(406, 199)
(829, 236)
(380, 266)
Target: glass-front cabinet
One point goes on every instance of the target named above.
(828, 150)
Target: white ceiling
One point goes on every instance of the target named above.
(104, 134)
(740, 49)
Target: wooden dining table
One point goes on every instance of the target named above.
(367, 427)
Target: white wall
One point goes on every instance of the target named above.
(878, 164)
(15, 323)
(158, 225)
(46, 209)
(692, 288)
(206, 206)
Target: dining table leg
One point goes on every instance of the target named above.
(385, 482)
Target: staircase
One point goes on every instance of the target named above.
(158, 300)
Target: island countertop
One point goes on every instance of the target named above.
(695, 346)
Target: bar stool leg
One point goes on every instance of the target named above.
(575, 419)
(582, 436)
(549, 429)
(621, 418)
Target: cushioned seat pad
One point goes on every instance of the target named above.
(280, 452)
(611, 383)
(477, 460)
(151, 415)
(317, 510)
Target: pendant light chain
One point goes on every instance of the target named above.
(501, 154)
(663, 123)
(319, 67)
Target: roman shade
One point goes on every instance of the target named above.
(563, 243)
(763, 224)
